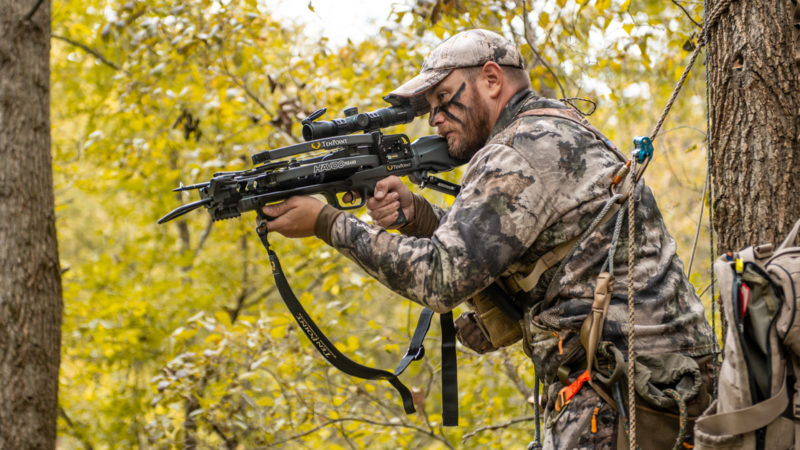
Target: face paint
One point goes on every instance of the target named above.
(444, 108)
(467, 133)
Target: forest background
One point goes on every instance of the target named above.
(174, 335)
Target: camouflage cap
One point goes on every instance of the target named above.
(469, 48)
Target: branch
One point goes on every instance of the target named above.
(203, 237)
(29, 16)
(532, 44)
(370, 422)
(686, 12)
(78, 434)
(245, 300)
(511, 372)
(91, 51)
(496, 427)
(230, 443)
(243, 84)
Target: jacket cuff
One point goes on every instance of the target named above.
(324, 223)
(425, 221)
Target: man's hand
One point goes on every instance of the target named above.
(294, 217)
(390, 195)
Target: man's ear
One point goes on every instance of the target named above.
(492, 77)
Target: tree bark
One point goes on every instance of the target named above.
(754, 80)
(30, 283)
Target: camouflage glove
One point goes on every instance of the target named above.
(471, 334)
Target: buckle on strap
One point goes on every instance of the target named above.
(567, 393)
(415, 353)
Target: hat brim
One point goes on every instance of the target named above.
(413, 90)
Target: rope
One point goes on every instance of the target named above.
(626, 425)
(536, 443)
(683, 417)
(709, 22)
(699, 223)
(709, 158)
(631, 315)
(609, 203)
(612, 249)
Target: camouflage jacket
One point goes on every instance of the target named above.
(539, 182)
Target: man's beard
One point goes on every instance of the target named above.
(473, 132)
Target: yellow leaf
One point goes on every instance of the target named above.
(391, 348)
(352, 343)
(544, 19)
(438, 30)
(278, 332)
(625, 5)
(330, 281)
(311, 7)
(223, 317)
(212, 339)
(677, 73)
(628, 27)
(265, 400)
(602, 5)
(307, 297)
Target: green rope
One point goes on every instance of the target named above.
(684, 417)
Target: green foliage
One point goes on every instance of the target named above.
(174, 334)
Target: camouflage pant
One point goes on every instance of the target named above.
(573, 429)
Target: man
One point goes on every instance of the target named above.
(537, 177)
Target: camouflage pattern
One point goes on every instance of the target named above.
(572, 428)
(471, 48)
(539, 182)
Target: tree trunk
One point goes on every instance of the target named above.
(30, 283)
(754, 79)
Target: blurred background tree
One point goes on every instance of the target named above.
(174, 336)
(30, 276)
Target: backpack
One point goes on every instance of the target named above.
(758, 405)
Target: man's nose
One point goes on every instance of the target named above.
(436, 118)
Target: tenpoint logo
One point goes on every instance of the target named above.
(328, 144)
(393, 167)
(334, 165)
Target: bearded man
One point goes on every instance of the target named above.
(538, 176)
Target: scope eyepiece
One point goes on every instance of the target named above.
(354, 122)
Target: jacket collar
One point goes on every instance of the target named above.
(510, 111)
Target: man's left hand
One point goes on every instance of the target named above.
(294, 217)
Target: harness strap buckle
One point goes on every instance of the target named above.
(567, 393)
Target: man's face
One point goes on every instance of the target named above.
(459, 114)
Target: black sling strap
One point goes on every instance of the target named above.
(449, 371)
(416, 350)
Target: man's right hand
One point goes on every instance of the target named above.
(390, 194)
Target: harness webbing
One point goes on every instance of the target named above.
(416, 350)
